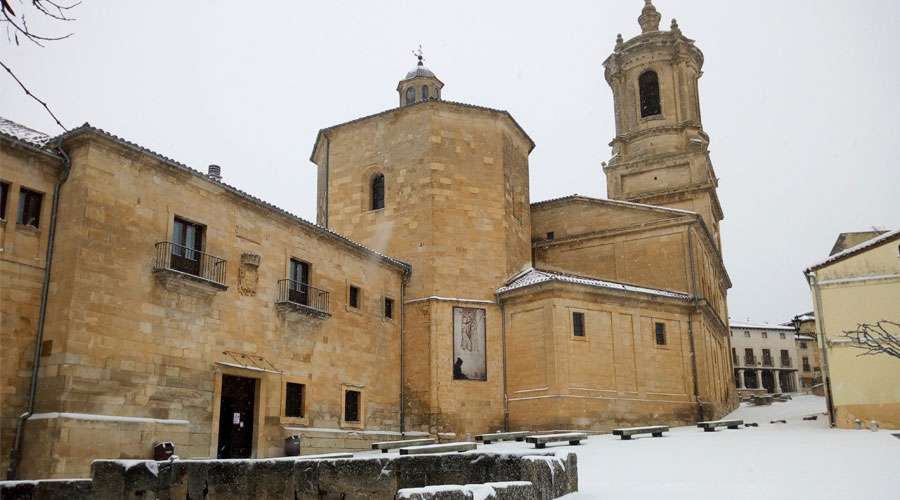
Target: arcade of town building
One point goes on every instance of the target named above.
(145, 302)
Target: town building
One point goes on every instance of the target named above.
(808, 353)
(858, 288)
(765, 358)
(149, 302)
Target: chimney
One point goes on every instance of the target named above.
(214, 173)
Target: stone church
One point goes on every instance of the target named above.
(145, 302)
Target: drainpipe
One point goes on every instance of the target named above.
(820, 324)
(16, 453)
(403, 283)
(503, 347)
(691, 325)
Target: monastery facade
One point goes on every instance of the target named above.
(145, 302)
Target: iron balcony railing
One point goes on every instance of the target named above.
(785, 362)
(302, 294)
(174, 257)
(749, 361)
(767, 361)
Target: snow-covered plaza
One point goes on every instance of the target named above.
(795, 460)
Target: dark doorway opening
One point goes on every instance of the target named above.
(236, 413)
(768, 380)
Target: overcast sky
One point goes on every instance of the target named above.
(799, 99)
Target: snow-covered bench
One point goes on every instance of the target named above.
(324, 456)
(438, 448)
(627, 432)
(384, 446)
(541, 440)
(710, 425)
(501, 436)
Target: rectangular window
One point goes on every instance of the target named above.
(388, 308)
(785, 358)
(550, 235)
(748, 357)
(29, 208)
(781, 334)
(351, 406)
(299, 286)
(4, 195)
(353, 297)
(187, 242)
(747, 334)
(764, 335)
(767, 357)
(806, 364)
(802, 345)
(294, 399)
(578, 324)
(660, 334)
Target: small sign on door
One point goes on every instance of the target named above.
(236, 419)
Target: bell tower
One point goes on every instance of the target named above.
(420, 83)
(659, 153)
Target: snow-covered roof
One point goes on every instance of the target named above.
(88, 128)
(856, 249)
(758, 326)
(533, 277)
(804, 337)
(578, 197)
(23, 133)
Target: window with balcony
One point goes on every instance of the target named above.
(187, 245)
(183, 256)
(766, 357)
(785, 358)
(299, 287)
(29, 213)
(296, 294)
(749, 359)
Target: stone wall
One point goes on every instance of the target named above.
(549, 476)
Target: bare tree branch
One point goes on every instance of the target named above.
(29, 94)
(17, 24)
(883, 337)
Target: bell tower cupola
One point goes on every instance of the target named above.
(420, 84)
(659, 153)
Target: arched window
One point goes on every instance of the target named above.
(378, 192)
(410, 95)
(649, 88)
(424, 92)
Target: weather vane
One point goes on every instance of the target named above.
(418, 53)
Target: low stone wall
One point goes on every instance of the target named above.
(513, 490)
(374, 477)
(46, 489)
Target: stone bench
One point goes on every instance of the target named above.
(384, 446)
(710, 425)
(325, 456)
(541, 440)
(501, 436)
(627, 432)
(438, 448)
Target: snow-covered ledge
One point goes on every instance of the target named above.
(107, 418)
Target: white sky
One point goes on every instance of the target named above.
(796, 98)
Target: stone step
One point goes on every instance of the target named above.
(438, 448)
(384, 446)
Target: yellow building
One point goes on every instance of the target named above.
(859, 285)
(146, 302)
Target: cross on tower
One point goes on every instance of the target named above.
(418, 54)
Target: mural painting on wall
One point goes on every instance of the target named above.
(469, 344)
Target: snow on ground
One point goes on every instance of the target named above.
(797, 460)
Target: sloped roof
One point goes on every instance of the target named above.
(418, 103)
(850, 239)
(630, 204)
(533, 277)
(758, 326)
(89, 129)
(23, 133)
(884, 238)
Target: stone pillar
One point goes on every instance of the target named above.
(742, 384)
(777, 376)
(759, 379)
(796, 381)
